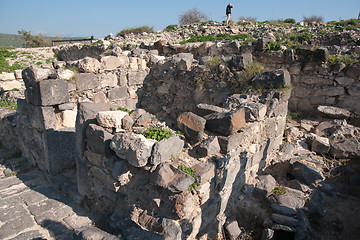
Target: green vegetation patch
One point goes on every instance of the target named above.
(190, 171)
(347, 60)
(278, 191)
(213, 62)
(171, 28)
(243, 81)
(136, 30)
(157, 134)
(219, 37)
(4, 64)
(6, 102)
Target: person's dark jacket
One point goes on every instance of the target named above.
(228, 9)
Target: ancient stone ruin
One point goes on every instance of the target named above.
(90, 116)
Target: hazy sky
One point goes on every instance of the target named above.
(71, 18)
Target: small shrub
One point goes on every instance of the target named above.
(347, 60)
(124, 110)
(192, 16)
(190, 171)
(289, 20)
(171, 28)
(219, 37)
(34, 41)
(157, 134)
(214, 62)
(273, 46)
(313, 18)
(278, 191)
(6, 102)
(243, 81)
(136, 30)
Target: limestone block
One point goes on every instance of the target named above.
(136, 78)
(9, 85)
(169, 177)
(110, 62)
(111, 119)
(133, 64)
(98, 139)
(226, 123)
(7, 76)
(89, 65)
(68, 118)
(118, 93)
(18, 74)
(108, 80)
(100, 97)
(142, 65)
(165, 149)
(192, 125)
(233, 230)
(208, 147)
(59, 147)
(86, 81)
(31, 75)
(132, 147)
(122, 76)
(65, 74)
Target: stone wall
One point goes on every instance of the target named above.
(67, 121)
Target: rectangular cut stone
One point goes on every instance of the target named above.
(60, 150)
(136, 78)
(51, 92)
(86, 81)
(7, 76)
(226, 123)
(42, 118)
(9, 85)
(118, 93)
(108, 80)
(98, 139)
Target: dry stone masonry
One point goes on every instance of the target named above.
(86, 117)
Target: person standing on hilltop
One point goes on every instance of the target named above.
(228, 13)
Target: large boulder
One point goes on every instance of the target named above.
(226, 123)
(170, 178)
(31, 75)
(272, 80)
(306, 173)
(192, 125)
(132, 147)
(89, 65)
(165, 149)
(320, 145)
(48, 92)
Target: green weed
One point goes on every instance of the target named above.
(6, 102)
(214, 62)
(190, 171)
(278, 191)
(157, 134)
(136, 30)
